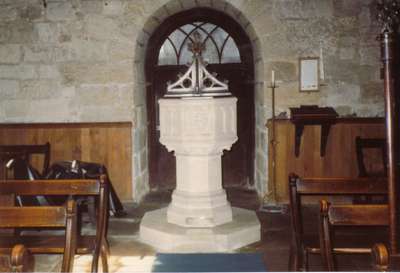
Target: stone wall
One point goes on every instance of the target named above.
(82, 60)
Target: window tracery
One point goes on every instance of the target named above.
(220, 46)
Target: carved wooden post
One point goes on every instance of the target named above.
(388, 15)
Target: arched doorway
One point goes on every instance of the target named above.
(238, 164)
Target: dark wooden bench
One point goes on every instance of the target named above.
(382, 260)
(86, 244)
(25, 152)
(53, 217)
(380, 257)
(363, 144)
(333, 216)
(303, 245)
(20, 260)
(378, 147)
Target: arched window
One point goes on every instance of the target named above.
(219, 45)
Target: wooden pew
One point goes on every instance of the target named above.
(37, 155)
(301, 245)
(364, 144)
(364, 147)
(86, 244)
(382, 260)
(335, 216)
(21, 259)
(380, 257)
(26, 152)
(53, 217)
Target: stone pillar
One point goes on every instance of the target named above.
(198, 129)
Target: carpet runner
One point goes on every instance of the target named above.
(209, 262)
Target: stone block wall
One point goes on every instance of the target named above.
(83, 60)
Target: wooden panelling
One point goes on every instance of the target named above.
(105, 143)
(340, 158)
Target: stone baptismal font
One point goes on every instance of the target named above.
(198, 122)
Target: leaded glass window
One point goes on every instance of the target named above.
(220, 46)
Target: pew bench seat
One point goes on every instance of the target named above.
(95, 245)
(45, 244)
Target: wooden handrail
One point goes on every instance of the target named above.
(51, 187)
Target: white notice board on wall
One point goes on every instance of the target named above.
(309, 74)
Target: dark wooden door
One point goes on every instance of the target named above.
(237, 164)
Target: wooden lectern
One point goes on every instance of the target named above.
(312, 115)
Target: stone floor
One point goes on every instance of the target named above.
(129, 255)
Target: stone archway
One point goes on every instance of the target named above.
(140, 145)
